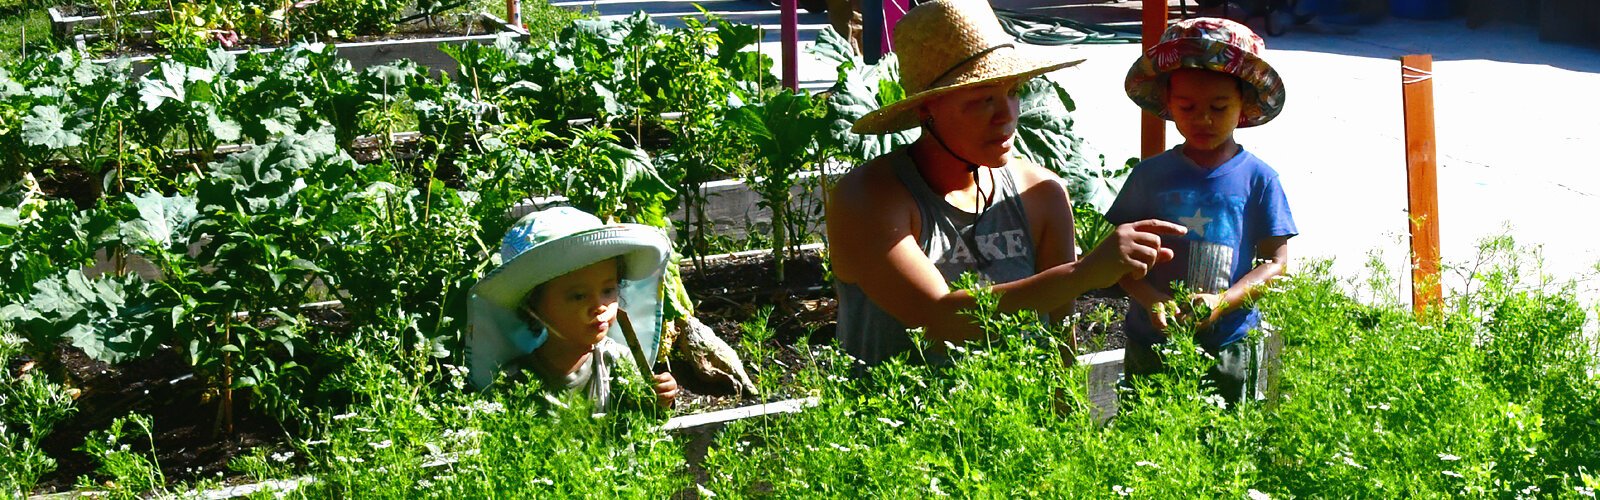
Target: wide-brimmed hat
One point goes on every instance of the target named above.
(1210, 44)
(949, 45)
(547, 244)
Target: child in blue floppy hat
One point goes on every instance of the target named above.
(1207, 76)
(555, 309)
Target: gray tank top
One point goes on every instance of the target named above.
(997, 246)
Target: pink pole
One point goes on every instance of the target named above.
(893, 10)
(791, 44)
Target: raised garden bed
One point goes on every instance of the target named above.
(419, 44)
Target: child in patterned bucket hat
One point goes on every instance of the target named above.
(553, 310)
(1208, 77)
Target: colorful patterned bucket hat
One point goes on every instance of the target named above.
(1210, 44)
(547, 244)
(949, 45)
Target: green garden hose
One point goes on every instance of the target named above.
(1039, 29)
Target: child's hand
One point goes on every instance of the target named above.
(1160, 314)
(1205, 306)
(666, 390)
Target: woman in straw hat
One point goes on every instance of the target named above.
(903, 226)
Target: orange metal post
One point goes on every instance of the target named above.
(1416, 77)
(1152, 129)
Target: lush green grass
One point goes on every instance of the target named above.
(13, 23)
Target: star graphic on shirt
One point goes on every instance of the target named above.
(1196, 223)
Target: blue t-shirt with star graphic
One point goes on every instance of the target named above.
(1227, 210)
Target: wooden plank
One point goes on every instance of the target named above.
(1152, 128)
(743, 412)
(1422, 186)
(1105, 372)
(425, 51)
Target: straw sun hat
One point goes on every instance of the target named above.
(950, 45)
(1210, 44)
(544, 245)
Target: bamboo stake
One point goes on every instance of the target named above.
(1152, 129)
(1416, 82)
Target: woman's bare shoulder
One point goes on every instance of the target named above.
(1029, 173)
(870, 186)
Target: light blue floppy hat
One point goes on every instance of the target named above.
(542, 246)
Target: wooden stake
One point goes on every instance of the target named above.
(791, 44)
(1422, 186)
(1152, 129)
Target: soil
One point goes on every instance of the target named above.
(70, 183)
(187, 445)
(1099, 325)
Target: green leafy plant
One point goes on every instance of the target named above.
(783, 129)
(602, 177)
(128, 473)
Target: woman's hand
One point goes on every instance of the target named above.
(666, 390)
(1129, 251)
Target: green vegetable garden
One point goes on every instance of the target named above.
(249, 268)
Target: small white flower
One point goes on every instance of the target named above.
(544, 481)
(1217, 400)
(836, 446)
(488, 407)
(282, 457)
(892, 423)
(1448, 457)
(1586, 491)
(1121, 490)
(704, 492)
(381, 444)
(424, 484)
(1257, 495)
(933, 486)
(954, 348)
(1452, 473)
(344, 416)
(1349, 460)
(1147, 463)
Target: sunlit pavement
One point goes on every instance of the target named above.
(1517, 126)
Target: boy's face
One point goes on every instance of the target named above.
(978, 123)
(1205, 105)
(578, 307)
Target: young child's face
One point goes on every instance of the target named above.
(1205, 105)
(578, 307)
(978, 123)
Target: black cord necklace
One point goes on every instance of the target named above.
(972, 167)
